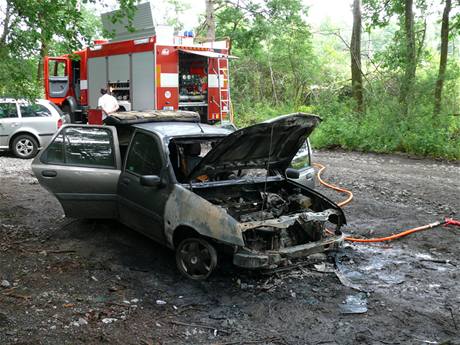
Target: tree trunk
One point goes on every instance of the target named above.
(6, 24)
(272, 78)
(355, 51)
(210, 21)
(410, 57)
(443, 59)
(43, 53)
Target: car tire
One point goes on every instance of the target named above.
(66, 109)
(196, 258)
(25, 146)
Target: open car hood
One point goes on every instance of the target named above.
(249, 148)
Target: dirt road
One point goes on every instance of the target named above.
(93, 282)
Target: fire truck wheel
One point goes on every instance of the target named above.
(25, 146)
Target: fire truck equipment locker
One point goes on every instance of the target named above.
(97, 79)
(143, 80)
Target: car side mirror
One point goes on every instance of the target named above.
(292, 173)
(150, 181)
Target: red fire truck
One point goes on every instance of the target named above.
(159, 71)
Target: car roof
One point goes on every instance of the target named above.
(7, 99)
(22, 100)
(182, 129)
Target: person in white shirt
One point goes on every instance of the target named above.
(107, 103)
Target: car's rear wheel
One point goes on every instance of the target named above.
(196, 258)
(25, 146)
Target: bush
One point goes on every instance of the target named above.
(381, 128)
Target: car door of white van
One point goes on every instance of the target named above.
(81, 167)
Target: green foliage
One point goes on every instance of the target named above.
(18, 79)
(284, 66)
(32, 29)
(275, 47)
(379, 129)
(318, 80)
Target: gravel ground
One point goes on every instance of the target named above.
(67, 281)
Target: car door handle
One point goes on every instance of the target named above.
(49, 173)
(125, 181)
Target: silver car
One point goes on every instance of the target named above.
(196, 188)
(26, 127)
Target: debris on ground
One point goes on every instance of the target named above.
(5, 284)
(292, 305)
(354, 304)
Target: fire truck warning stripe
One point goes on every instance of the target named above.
(83, 84)
(169, 80)
(213, 80)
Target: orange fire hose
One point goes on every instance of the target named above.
(447, 221)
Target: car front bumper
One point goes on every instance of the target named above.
(251, 259)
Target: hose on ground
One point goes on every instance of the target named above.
(446, 222)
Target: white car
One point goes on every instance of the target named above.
(26, 127)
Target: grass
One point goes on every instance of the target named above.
(381, 128)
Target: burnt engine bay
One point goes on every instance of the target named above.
(253, 204)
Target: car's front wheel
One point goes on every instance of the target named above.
(25, 146)
(196, 258)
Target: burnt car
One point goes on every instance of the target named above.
(196, 188)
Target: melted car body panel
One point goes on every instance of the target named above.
(185, 208)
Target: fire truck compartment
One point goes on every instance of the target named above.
(130, 78)
(193, 83)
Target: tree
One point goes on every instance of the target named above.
(355, 52)
(210, 21)
(31, 29)
(443, 57)
(277, 64)
(410, 62)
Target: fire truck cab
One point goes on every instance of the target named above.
(149, 69)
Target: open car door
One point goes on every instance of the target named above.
(56, 71)
(81, 167)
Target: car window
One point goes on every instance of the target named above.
(302, 158)
(57, 68)
(82, 146)
(8, 110)
(144, 157)
(34, 110)
(55, 151)
(301, 162)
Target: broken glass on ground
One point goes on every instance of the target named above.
(354, 304)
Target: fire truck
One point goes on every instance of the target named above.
(151, 68)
